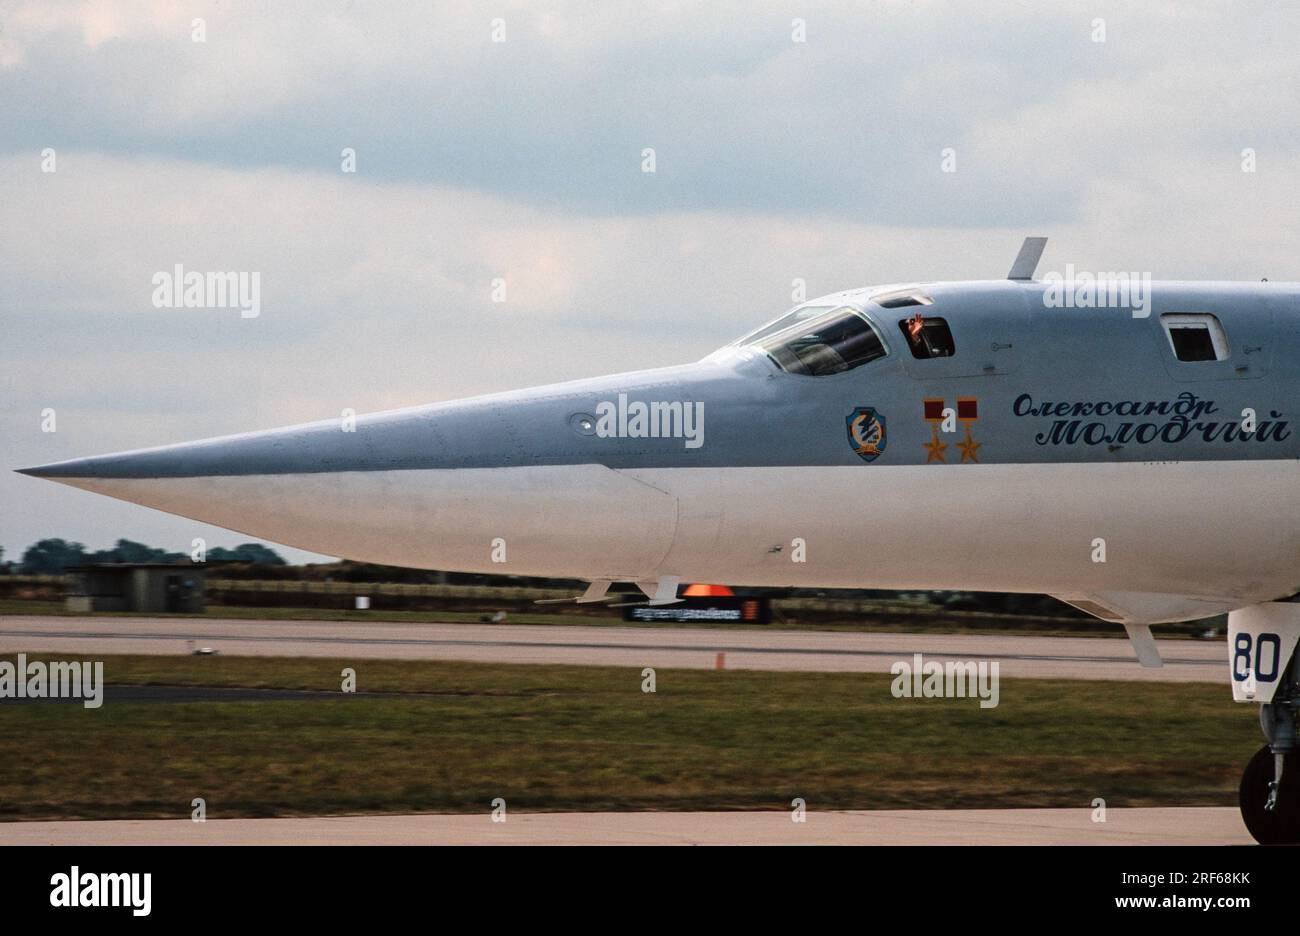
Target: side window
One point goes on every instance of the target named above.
(1195, 336)
(928, 337)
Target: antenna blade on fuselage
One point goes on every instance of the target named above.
(1027, 259)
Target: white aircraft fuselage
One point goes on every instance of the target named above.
(1133, 452)
(1017, 447)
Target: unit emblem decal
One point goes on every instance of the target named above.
(867, 433)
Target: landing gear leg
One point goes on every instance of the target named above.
(1262, 642)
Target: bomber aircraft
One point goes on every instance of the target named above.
(1135, 457)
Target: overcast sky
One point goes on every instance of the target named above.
(521, 159)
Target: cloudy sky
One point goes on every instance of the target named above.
(1116, 129)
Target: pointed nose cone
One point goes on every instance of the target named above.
(322, 486)
(119, 476)
(215, 480)
(296, 448)
(137, 476)
(436, 486)
(430, 488)
(72, 469)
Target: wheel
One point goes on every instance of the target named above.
(1281, 825)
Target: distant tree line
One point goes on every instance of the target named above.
(54, 556)
(256, 561)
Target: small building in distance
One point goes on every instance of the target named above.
(142, 587)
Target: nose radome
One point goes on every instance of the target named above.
(425, 489)
(292, 449)
(531, 426)
(432, 486)
(226, 480)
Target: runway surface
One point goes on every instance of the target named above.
(823, 651)
(1176, 826)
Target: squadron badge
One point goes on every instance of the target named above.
(867, 433)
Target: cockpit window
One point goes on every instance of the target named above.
(800, 314)
(901, 299)
(928, 337)
(832, 342)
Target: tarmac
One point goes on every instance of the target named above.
(1129, 826)
(660, 647)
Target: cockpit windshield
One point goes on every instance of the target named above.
(800, 314)
(826, 341)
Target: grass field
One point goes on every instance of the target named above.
(452, 736)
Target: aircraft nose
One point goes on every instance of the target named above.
(432, 488)
(455, 434)
(313, 446)
(308, 485)
(72, 468)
